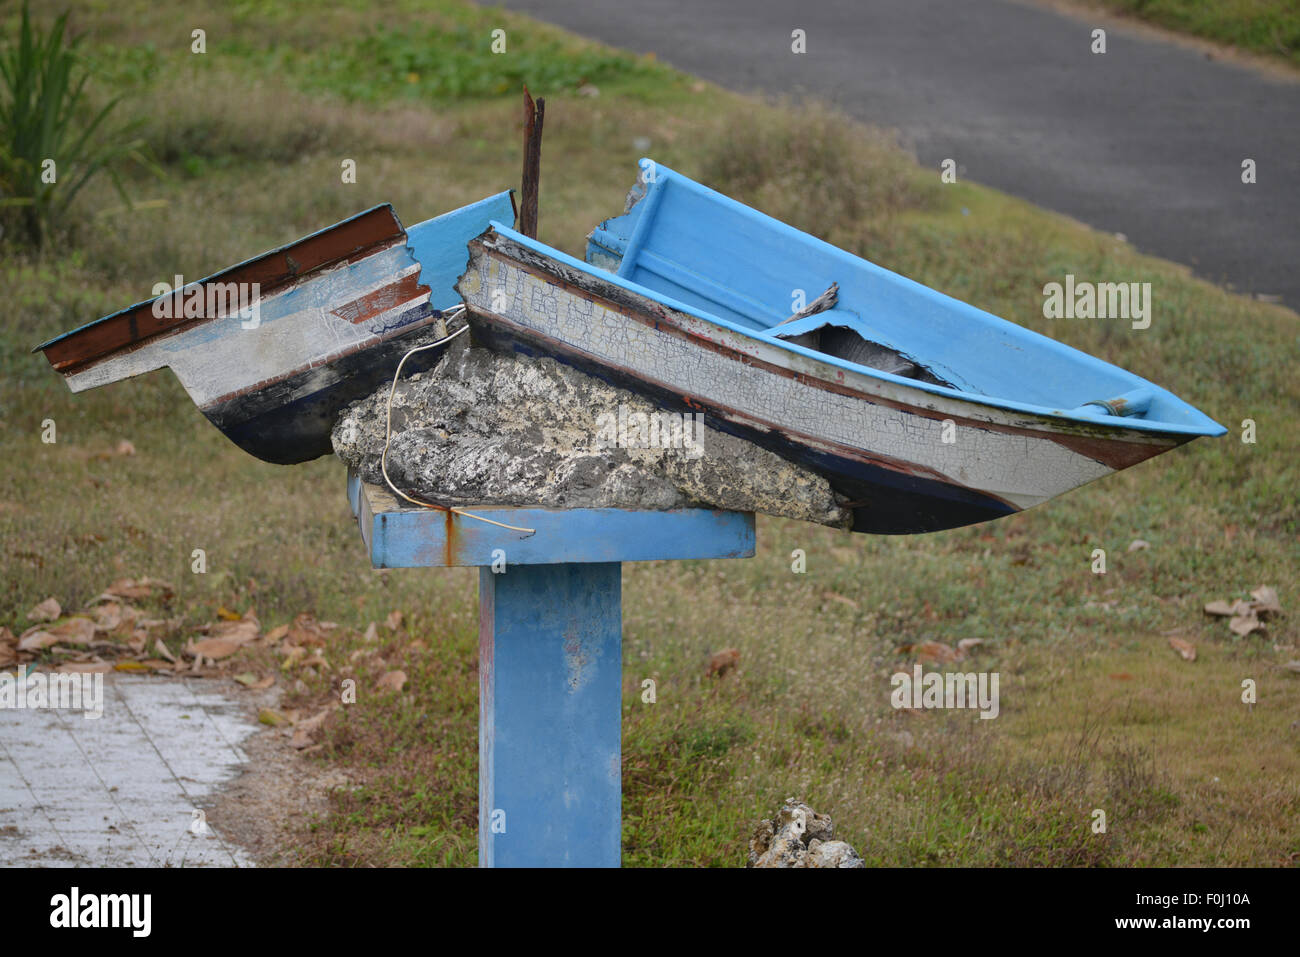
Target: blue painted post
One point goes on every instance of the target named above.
(550, 702)
(550, 654)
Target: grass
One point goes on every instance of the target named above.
(1097, 712)
(1267, 27)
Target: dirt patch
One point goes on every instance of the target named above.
(279, 792)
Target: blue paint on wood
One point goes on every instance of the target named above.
(550, 698)
(439, 244)
(408, 537)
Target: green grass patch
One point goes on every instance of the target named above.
(1268, 27)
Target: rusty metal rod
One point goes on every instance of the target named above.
(534, 113)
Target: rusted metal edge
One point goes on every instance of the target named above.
(534, 114)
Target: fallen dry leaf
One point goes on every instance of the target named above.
(720, 662)
(1138, 544)
(253, 682)
(392, 681)
(272, 717)
(935, 651)
(215, 648)
(1243, 625)
(967, 645)
(372, 633)
(225, 614)
(1183, 647)
(842, 599)
(291, 654)
(1121, 676)
(303, 731)
(139, 588)
(1266, 600)
(48, 610)
(394, 620)
(124, 448)
(305, 630)
(162, 649)
(110, 617)
(157, 664)
(74, 631)
(276, 633)
(34, 639)
(1221, 608)
(131, 666)
(242, 631)
(1292, 666)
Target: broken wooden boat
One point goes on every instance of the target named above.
(924, 412)
(272, 349)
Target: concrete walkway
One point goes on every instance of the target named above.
(1145, 140)
(121, 790)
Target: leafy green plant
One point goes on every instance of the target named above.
(46, 154)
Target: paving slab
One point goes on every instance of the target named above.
(122, 790)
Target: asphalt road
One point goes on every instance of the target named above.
(1146, 139)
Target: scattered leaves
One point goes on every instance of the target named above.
(1184, 647)
(48, 610)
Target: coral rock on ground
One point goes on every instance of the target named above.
(799, 837)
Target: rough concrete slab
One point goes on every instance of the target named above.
(121, 790)
(488, 428)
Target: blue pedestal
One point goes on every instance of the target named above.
(550, 655)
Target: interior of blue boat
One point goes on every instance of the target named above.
(692, 245)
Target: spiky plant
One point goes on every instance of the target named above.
(47, 154)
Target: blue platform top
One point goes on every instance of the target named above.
(399, 536)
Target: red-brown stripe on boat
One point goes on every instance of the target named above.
(368, 233)
(381, 300)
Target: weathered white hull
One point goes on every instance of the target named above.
(881, 439)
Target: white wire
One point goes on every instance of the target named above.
(388, 431)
